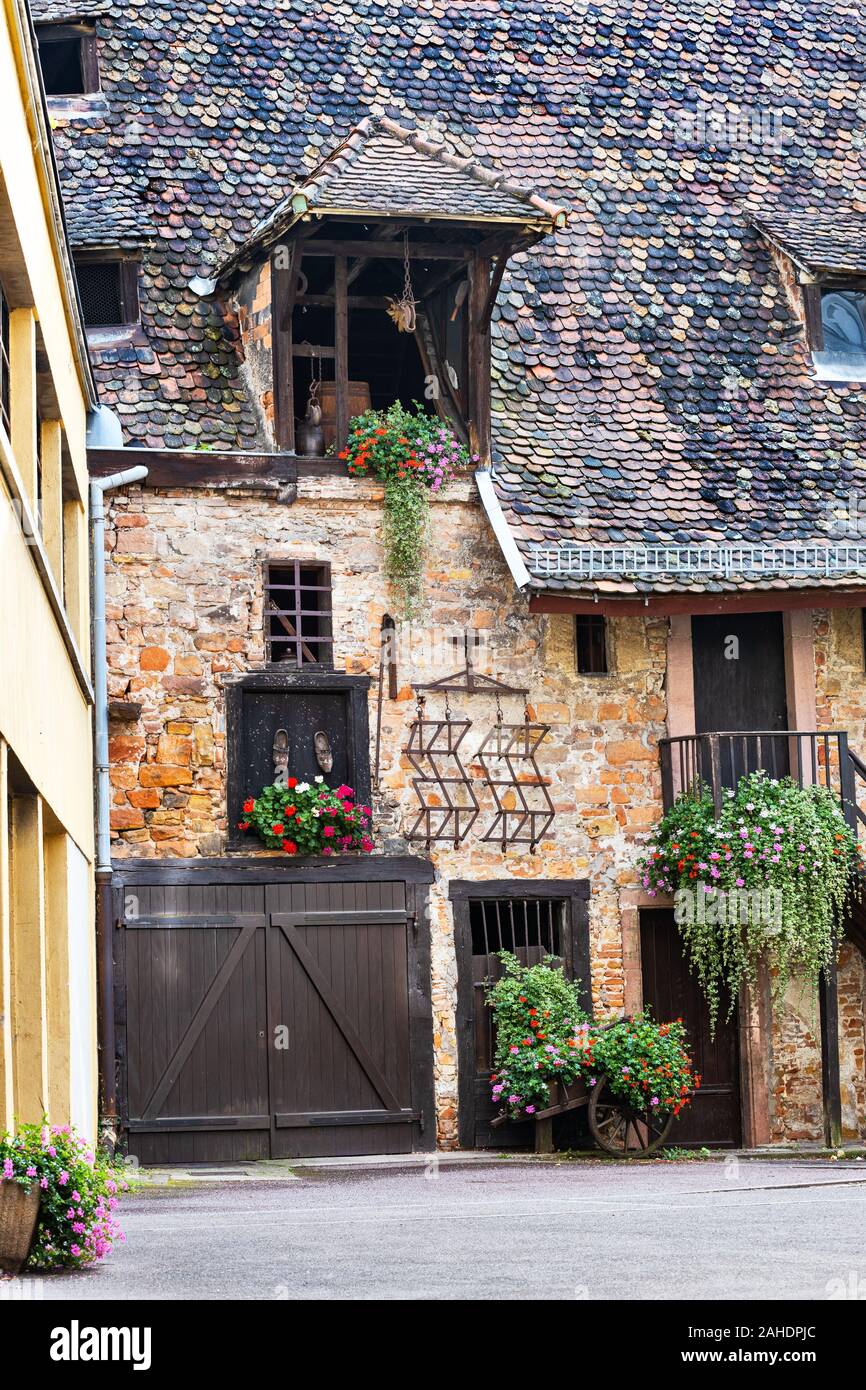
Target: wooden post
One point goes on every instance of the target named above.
(341, 351)
(544, 1136)
(284, 287)
(29, 993)
(479, 359)
(830, 1082)
(22, 379)
(52, 497)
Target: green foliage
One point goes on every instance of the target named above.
(767, 881)
(78, 1193)
(308, 818)
(413, 454)
(543, 1035)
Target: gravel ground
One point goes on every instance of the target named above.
(494, 1230)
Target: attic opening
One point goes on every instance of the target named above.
(68, 59)
(384, 365)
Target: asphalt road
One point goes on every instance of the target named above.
(501, 1230)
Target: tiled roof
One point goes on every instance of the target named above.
(65, 11)
(651, 379)
(99, 219)
(817, 240)
(385, 168)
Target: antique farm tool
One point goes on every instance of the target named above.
(449, 806)
(402, 308)
(524, 810)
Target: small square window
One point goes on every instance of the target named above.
(67, 57)
(297, 613)
(591, 643)
(836, 323)
(108, 290)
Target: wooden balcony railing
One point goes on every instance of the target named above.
(719, 760)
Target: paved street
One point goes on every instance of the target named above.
(494, 1230)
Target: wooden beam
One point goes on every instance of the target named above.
(353, 301)
(496, 281)
(193, 468)
(22, 384)
(385, 231)
(52, 497)
(312, 350)
(479, 360)
(830, 1078)
(284, 290)
(341, 352)
(746, 601)
(388, 250)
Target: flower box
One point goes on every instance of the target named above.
(19, 1211)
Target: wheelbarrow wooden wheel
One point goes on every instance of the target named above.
(621, 1130)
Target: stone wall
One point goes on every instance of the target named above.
(185, 616)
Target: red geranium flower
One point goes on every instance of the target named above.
(243, 825)
(291, 782)
(249, 806)
(290, 847)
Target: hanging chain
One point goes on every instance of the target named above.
(407, 279)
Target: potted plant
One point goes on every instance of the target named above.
(57, 1199)
(550, 1053)
(415, 455)
(308, 818)
(766, 880)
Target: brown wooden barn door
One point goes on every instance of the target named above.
(347, 1078)
(194, 1036)
(532, 925)
(671, 991)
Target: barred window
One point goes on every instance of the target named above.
(298, 622)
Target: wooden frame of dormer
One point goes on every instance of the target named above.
(469, 251)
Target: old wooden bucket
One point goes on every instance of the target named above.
(19, 1211)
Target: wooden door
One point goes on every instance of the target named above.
(739, 678)
(303, 714)
(339, 983)
(670, 991)
(274, 1020)
(549, 921)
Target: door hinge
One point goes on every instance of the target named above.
(421, 1121)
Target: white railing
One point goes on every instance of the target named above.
(724, 561)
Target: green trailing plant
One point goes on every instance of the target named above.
(308, 818)
(79, 1193)
(415, 455)
(543, 1035)
(766, 880)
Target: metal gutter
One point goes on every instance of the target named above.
(502, 531)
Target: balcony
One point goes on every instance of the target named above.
(719, 760)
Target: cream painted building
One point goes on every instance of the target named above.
(48, 1056)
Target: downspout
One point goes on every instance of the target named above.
(104, 913)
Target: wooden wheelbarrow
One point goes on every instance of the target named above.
(616, 1126)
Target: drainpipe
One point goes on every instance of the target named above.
(104, 913)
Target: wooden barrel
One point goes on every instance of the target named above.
(359, 401)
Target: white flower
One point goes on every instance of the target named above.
(318, 779)
(302, 787)
(315, 811)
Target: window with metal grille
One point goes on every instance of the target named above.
(591, 644)
(298, 624)
(108, 290)
(4, 362)
(516, 925)
(68, 59)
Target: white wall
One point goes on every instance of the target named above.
(82, 998)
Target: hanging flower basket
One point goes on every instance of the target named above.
(766, 881)
(309, 818)
(19, 1212)
(414, 455)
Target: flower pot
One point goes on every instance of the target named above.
(19, 1210)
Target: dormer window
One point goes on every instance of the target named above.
(836, 317)
(67, 56)
(108, 290)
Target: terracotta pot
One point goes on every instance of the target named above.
(359, 401)
(19, 1211)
